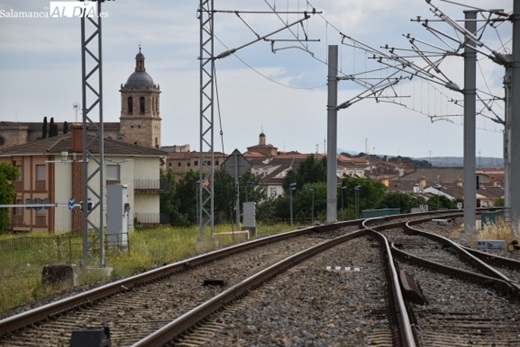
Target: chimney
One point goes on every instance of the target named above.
(77, 137)
(423, 183)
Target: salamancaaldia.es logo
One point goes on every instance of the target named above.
(59, 9)
(73, 9)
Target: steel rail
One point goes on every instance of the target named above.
(494, 258)
(44, 312)
(50, 310)
(468, 256)
(177, 327)
(503, 286)
(405, 327)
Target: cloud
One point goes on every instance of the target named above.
(283, 92)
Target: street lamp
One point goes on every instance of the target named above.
(312, 206)
(439, 188)
(344, 188)
(356, 190)
(292, 186)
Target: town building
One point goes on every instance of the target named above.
(139, 121)
(51, 168)
(50, 172)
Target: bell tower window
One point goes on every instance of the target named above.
(130, 105)
(141, 104)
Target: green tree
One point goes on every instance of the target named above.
(65, 127)
(499, 202)
(405, 202)
(170, 202)
(303, 202)
(225, 192)
(224, 195)
(8, 173)
(267, 212)
(311, 170)
(186, 193)
(44, 128)
(53, 128)
(250, 188)
(440, 202)
(370, 194)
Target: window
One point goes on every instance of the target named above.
(196, 162)
(273, 191)
(141, 104)
(2, 141)
(130, 105)
(113, 173)
(179, 164)
(41, 174)
(18, 210)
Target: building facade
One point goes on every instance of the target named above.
(140, 108)
(50, 172)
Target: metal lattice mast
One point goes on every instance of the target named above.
(206, 167)
(92, 101)
(515, 119)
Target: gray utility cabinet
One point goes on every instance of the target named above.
(249, 222)
(118, 210)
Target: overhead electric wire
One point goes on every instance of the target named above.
(265, 76)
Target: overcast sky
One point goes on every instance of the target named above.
(282, 93)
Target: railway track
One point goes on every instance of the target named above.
(338, 297)
(136, 306)
(464, 300)
(169, 303)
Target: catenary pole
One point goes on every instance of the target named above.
(332, 125)
(470, 72)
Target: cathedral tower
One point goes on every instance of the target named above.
(140, 116)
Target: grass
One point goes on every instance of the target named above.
(23, 259)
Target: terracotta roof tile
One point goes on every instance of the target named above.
(62, 143)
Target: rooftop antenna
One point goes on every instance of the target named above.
(75, 106)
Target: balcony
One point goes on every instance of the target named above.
(147, 186)
(147, 219)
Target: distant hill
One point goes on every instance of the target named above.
(487, 162)
(484, 162)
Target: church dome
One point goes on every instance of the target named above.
(140, 78)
